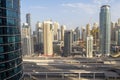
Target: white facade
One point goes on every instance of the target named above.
(56, 26)
(48, 38)
(26, 39)
(89, 47)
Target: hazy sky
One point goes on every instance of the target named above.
(71, 13)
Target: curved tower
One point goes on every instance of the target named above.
(105, 30)
(10, 40)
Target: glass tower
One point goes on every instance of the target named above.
(10, 40)
(105, 28)
(28, 19)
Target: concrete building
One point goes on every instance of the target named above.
(39, 34)
(62, 32)
(77, 37)
(89, 46)
(118, 22)
(34, 36)
(105, 30)
(117, 37)
(59, 34)
(67, 43)
(95, 34)
(26, 40)
(48, 38)
(83, 34)
(112, 33)
(87, 30)
(28, 19)
(56, 26)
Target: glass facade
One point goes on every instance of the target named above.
(105, 29)
(10, 40)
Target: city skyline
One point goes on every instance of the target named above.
(69, 12)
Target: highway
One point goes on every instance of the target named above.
(81, 67)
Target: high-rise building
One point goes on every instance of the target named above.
(10, 41)
(68, 37)
(105, 30)
(119, 37)
(34, 36)
(48, 38)
(39, 26)
(28, 19)
(119, 22)
(87, 30)
(59, 35)
(83, 34)
(94, 33)
(77, 37)
(89, 46)
(26, 40)
(39, 34)
(56, 26)
(62, 32)
(113, 29)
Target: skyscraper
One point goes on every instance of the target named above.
(48, 38)
(56, 26)
(62, 32)
(28, 19)
(87, 30)
(26, 40)
(39, 34)
(119, 22)
(105, 30)
(83, 34)
(94, 33)
(59, 34)
(68, 39)
(89, 46)
(10, 40)
(77, 38)
(119, 37)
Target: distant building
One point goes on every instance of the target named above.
(89, 46)
(112, 33)
(55, 33)
(59, 34)
(62, 32)
(57, 47)
(117, 37)
(105, 30)
(118, 22)
(95, 34)
(48, 38)
(28, 19)
(39, 34)
(77, 31)
(34, 36)
(26, 40)
(87, 30)
(83, 34)
(67, 43)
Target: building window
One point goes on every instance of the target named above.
(1, 49)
